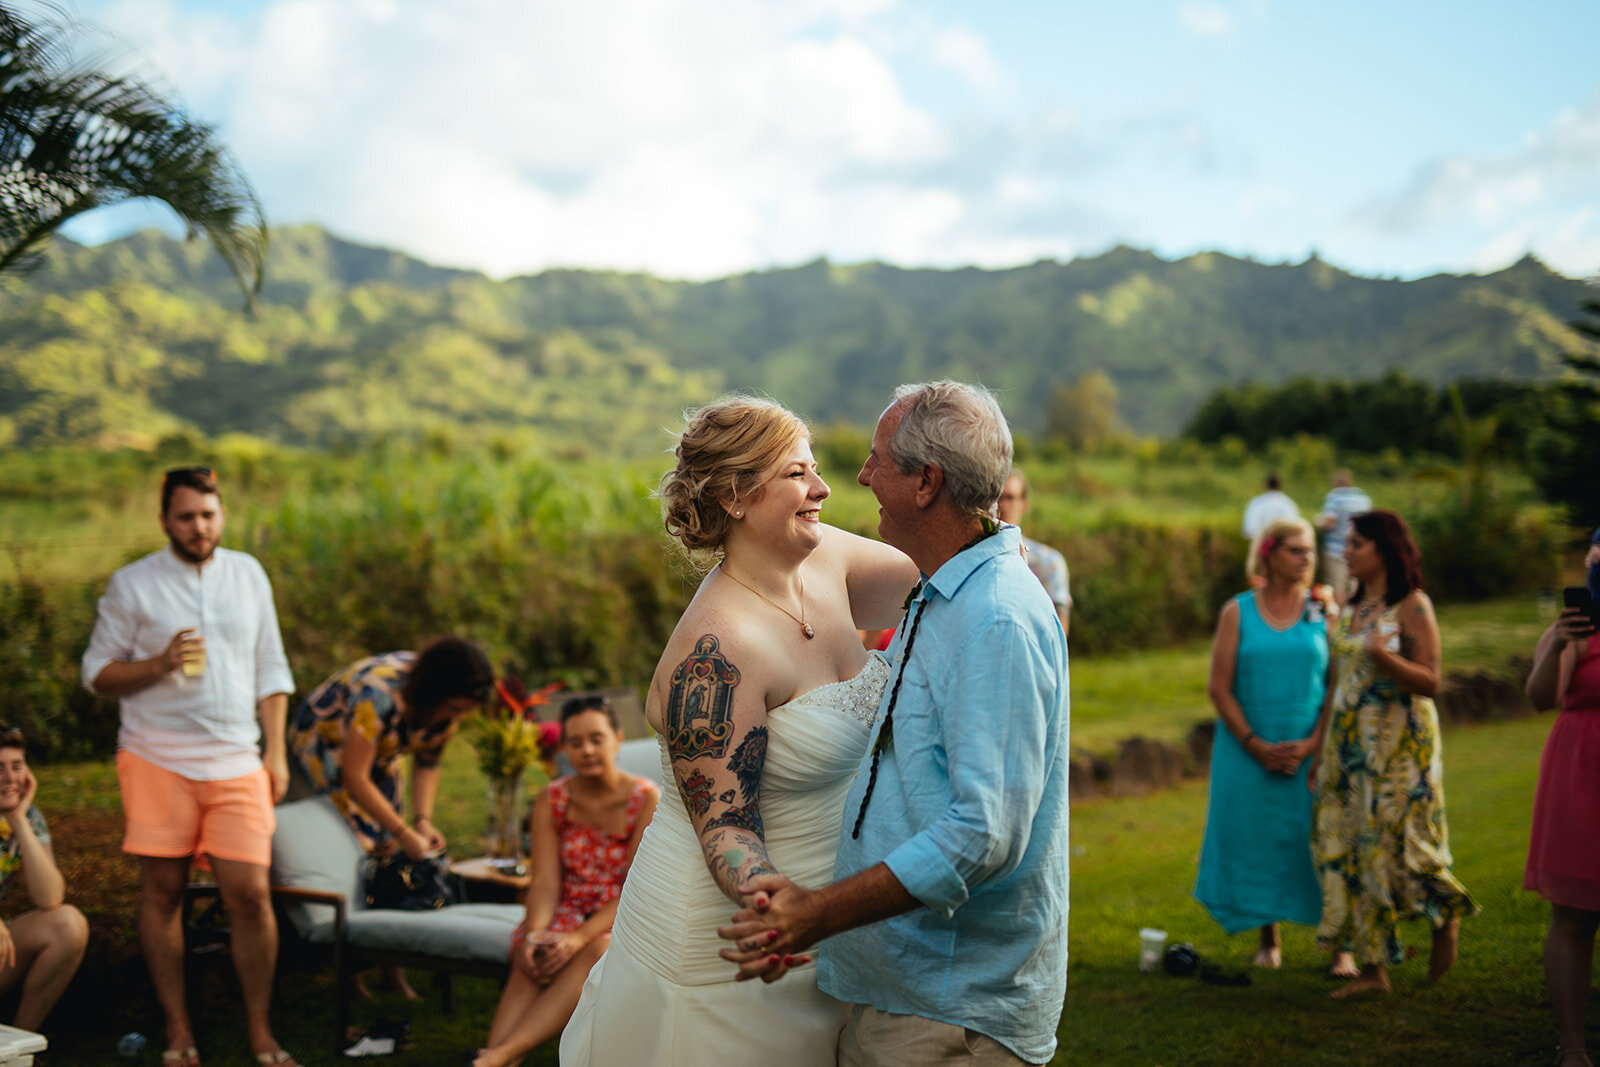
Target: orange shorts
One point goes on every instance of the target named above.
(169, 815)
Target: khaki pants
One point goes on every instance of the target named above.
(1337, 573)
(874, 1038)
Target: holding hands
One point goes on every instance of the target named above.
(1574, 626)
(778, 920)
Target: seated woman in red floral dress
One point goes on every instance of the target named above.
(585, 829)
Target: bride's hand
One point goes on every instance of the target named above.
(771, 931)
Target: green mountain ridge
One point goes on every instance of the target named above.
(143, 337)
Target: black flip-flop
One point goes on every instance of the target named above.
(1211, 974)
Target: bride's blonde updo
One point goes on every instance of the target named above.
(725, 450)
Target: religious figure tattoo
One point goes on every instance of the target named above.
(700, 703)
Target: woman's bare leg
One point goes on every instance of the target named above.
(49, 945)
(548, 1014)
(1568, 970)
(1374, 978)
(1271, 952)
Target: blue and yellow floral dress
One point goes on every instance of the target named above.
(364, 697)
(10, 861)
(1379, 838)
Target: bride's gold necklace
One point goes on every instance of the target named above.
(805, 627)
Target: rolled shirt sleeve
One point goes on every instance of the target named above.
(272, 663)
(114, 628)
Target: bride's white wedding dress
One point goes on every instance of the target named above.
(661, 994)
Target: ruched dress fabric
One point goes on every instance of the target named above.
(1381, 844)
(1255, 864)
(1564, 852)
(661, 994)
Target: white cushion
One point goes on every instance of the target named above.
(641, 758)
(314, 848)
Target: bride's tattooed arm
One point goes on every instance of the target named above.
(717, 756)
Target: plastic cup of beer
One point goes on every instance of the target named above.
(194, 656)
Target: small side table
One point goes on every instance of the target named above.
(18, 1046)
(484, 882)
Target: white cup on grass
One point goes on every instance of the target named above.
(1151, 944)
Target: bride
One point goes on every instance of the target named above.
(763, 702)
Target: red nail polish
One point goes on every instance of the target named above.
(773, 960)
(772, 935)
(788, 961)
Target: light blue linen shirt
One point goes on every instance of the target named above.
(969, 812)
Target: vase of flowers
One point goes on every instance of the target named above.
(510, 742)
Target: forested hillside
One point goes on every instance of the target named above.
(145, 337)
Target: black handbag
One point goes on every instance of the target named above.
(400, 882)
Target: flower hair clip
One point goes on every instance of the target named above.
(1267, 545)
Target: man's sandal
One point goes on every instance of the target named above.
(1562, 1055)
(275, 1059)
(180, 1057)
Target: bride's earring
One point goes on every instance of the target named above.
(738, 514)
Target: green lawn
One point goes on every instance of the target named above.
(1134, 865)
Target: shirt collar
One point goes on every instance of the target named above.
(959, 567)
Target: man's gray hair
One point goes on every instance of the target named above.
(960, 429)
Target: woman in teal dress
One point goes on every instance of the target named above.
(1269, 675)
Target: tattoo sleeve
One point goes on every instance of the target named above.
(719, 780)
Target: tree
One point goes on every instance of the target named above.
(1564, 451)
(1083, 414)
(73, 139)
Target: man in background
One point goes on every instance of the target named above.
(188, 639)
(1343, 502)
(1047, 565)
(1265, 507)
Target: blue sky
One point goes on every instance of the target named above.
(695, 138)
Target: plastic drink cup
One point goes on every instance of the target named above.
(1151, 944)
(194, 663)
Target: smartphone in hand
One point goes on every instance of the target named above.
(1577, 596)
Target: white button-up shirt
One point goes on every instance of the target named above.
(203, 727)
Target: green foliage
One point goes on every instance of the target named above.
(43, 632)
(1564, 451)
(1394, 411)
(73, 139)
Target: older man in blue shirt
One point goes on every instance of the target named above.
(947, 931)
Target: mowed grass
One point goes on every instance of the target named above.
(1134, 865)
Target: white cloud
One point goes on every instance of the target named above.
(1537, 196)
(1205, 19)
(968, 55)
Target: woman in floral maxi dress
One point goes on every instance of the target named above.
(1379, 836)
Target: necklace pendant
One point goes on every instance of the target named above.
(806, 629)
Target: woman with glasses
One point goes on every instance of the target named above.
(1380, 840)
(585, 829)
(39, 949)
(1269, 675)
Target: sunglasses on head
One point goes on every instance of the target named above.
(10, 737)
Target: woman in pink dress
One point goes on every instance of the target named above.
(585, 830)
(1563, 856)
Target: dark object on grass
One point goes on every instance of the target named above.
(1212, 974)
(1181, 960)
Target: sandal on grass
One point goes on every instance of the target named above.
(279, 1058)
(180, 1057)
(1561, 1055)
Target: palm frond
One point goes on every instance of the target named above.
(72, 140)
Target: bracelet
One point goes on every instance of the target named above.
(417, 819)
(1244, 742)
